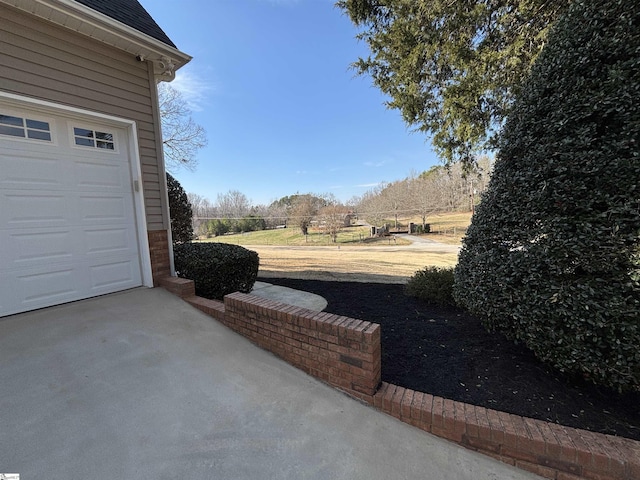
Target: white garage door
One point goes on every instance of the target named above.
(67, 218)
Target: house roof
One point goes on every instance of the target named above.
(131, 13)
(124, 24)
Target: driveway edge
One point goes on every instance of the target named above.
(345, 353)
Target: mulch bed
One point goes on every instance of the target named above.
(446, 352)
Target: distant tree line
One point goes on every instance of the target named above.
(232, 212)
(439, 189)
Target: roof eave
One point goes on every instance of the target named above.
(86, 21)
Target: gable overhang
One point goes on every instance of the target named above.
(86, 21)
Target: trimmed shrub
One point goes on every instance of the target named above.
(217, 269)
(552, 254)
(179, 212)
(433, 285)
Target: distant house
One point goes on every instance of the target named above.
(83, 203)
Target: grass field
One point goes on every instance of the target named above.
(356, 235)
(449, 227)
(445, 228)
(356, 256)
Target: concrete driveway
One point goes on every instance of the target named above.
(140, 385)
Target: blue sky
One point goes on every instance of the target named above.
(271, 84)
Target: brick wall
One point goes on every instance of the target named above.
(346, 353)
(341, 351)
(547, 449)
(180, 287)
(159, 252)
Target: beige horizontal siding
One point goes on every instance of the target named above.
(120, 77)
(73, 48)
(149, 169)
(42, 60)
(150, 178)
(145, 143)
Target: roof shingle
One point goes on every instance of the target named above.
(131, 13)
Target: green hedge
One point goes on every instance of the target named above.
(433, 285)
(179, 212)
(552, 254)
(216, 268)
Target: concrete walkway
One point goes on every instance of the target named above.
(140, 385)
(287, 295)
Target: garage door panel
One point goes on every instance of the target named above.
(114, 275)
(26, 248)
(36, 288)
(38, 209)
(60, 282)
(109, 241)
(30, 172)
(68, 227)
(21, 209)
(105, 177)
(96, 208)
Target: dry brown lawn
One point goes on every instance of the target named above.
(384, 264)
(285, 253)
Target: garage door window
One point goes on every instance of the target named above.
(85, 137)
(24, 128)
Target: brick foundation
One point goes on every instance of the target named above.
(346, 354)
(159, 252)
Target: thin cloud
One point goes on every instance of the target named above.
(369, 185)
(375, 164)
(194, 89)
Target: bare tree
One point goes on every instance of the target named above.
(439, 189)
(371, 205)
(273, 214)
(181, 136)
(303, 209)
(233, 204)
(422, 198)
(396, 199)
(450, 187)
(196, 210)
(332, 216)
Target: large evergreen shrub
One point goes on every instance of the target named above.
(552, 257)
(179, 211)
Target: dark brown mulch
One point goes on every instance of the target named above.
(446, 352)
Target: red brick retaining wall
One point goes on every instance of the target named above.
(346, 353)
(550, 450)
(341, 351)
(181, 287)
